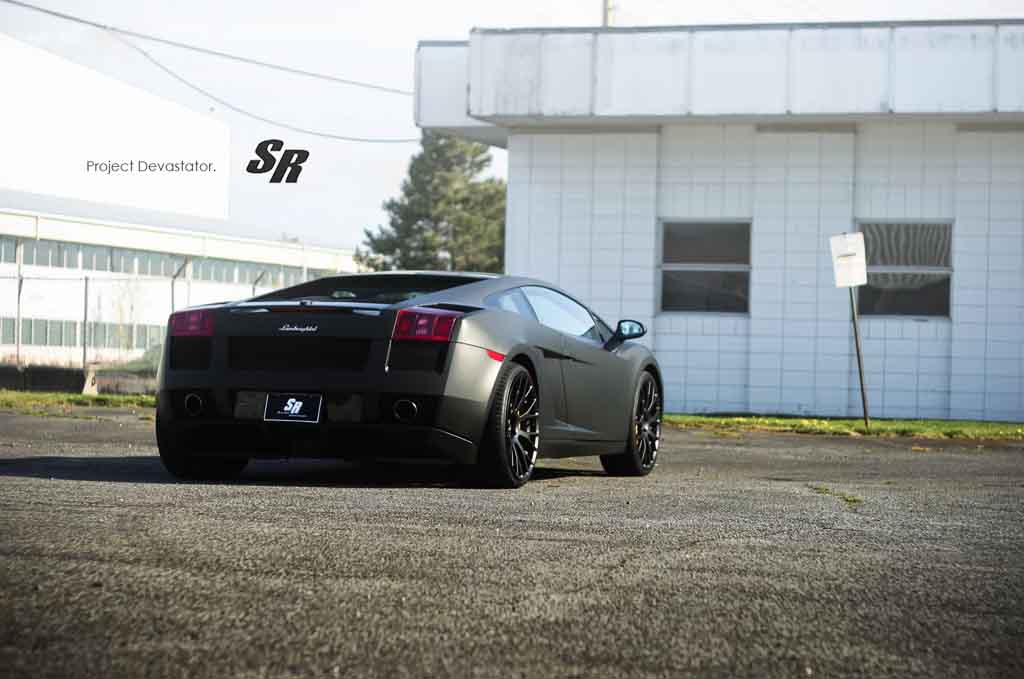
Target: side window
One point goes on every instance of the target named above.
(512, 300)
(561, 313)
(603, 330)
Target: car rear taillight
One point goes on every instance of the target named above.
(425, 325)
(191, 323)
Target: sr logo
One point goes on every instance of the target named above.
(288, 167)
(293, 406)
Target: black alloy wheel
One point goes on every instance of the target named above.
(641, 454)
(513, 430)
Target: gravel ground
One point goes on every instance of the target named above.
(740, 556)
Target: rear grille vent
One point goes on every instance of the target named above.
(418, 356)
(190, 353)
(297, 353)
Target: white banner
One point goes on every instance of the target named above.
(72, 132)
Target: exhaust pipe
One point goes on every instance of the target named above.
(405, 410)
(194, 405)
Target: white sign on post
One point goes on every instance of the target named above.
(848, 260)
(851, 269)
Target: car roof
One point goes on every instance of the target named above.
(441, 274)
(477, 288)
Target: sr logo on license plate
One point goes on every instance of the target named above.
(293, 408)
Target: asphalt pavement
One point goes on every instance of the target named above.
(754, 555)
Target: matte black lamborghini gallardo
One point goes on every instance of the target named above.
(491, 371)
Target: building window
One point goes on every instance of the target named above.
(118, 336)
(54, 333)
(7, 331)
(909, 269)
(313, 274)
(48, 253)
(98, 334)
(157, 264)
(122, 261)
(705, 267)
(8, 248)
(38, 332)
(146, 264)
(156, 335)
(252, 271)
(69, 255)
(28, 257)
(95, 258)
(292, 275)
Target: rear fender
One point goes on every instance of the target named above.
(503, 333)
(467, 393)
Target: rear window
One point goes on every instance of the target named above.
(371, 289)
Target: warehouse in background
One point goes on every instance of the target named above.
(76, 292)
(691, 177)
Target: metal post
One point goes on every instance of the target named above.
(257, 281)
(174, 280)
(85, 325)
(860, 360)
(17, 324)
(19, 260)
(606, 10)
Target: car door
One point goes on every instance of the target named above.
(595, 380)
(551, 346)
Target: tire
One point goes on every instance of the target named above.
(186, 467)
(511, 438)
(641, 454)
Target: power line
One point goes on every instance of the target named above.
(226, 104)
(119, 34)
(205, 50)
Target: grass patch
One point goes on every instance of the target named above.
(38, 402)
(848, 498)
(925, 429)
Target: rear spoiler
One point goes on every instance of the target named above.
(309, 306)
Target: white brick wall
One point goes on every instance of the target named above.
(584, 211)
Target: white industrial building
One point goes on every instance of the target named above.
(690, 177)
(114, 284)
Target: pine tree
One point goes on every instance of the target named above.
(446, 216)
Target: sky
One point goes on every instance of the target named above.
(344, 184)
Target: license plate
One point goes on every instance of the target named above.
(293, 408)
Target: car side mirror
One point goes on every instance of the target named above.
(629, 329)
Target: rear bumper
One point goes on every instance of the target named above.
(357, 418)
(227, 437)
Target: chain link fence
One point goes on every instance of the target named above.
(83, 321)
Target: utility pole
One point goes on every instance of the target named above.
(606, 13)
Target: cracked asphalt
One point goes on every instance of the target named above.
(739, 556)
